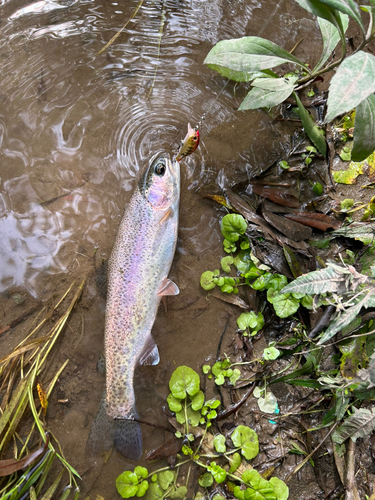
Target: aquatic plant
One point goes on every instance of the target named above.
(219, 456)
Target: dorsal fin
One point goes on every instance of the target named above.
(167, 287)
(150, 353)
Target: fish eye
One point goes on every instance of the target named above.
(160, 169)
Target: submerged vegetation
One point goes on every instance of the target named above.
(23, 408)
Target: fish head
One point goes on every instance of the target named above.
(160, 184)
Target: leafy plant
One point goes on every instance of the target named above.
(252, 273)
(252, 59)
(221, 459)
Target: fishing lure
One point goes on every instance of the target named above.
(190, 143)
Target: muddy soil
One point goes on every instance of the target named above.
(76, 128)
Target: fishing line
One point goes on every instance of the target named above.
(203, 117)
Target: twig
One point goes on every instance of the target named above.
(122, 29)
(301, 464)
(351, 489)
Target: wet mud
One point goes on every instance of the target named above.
(76, 128)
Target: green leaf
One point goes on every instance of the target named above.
(142, 488)
(207, 280)
(232, 226)
(352, 83)
(141, 471)
(317, 189)
(248, 54)
(184, 380)
(154, 492)
(364, 130)
(324, 280)
(271, 353)
(197, 401)
(206, 369)
(260, 98)
(277, 282)
(219, 474)
(206, 480)
(342, 320)
(281, 489)
(226, 262)
(331, 38)
(235, 376)
(193, 417)
(174, 404)
(250, 320)
(180, 492)
(243, 261)
(311, 129)
(166, 478)
(318, 8)
(262, 282)
(127, 484)
(360, 424)
(285, 305)
(275, 84)
(348, 7)
(247, 439)
(219, 443)
(260, 488)
(234, 462)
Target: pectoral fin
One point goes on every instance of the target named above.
(167, 287)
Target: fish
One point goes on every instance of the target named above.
(190, 143)
(137, 280)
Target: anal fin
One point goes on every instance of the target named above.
(150, 353)
(167, 287)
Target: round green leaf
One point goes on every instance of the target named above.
(247, 439)
(206, 369)
(281, 489)
(184, 380)
(234, 462)
(127, 484)
(317, 189)
(155, 492)
(226, 262)
(271, 353)
(219, 443)
(232, 226)
(285, 305)
(166, 478)
(141, 471)
(180, 492)
(142, 488)
(219, 474)
(206, 480)
(197, 401)
(207, 280)
(235, 376)
(174, 404)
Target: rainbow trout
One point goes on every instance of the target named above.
(137, 280)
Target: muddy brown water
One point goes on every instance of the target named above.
(75, 130)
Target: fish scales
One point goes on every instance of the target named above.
(140, 261)
(141, 258)
(137, 279)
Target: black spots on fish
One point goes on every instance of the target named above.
(124, 434)
(128, 437)
(101, 278)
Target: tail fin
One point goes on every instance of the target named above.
(105, 432)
